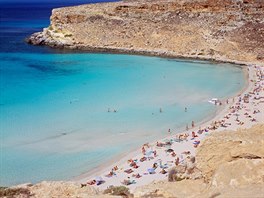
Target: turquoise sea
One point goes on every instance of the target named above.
(54, 119)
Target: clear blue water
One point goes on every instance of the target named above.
(54, 119)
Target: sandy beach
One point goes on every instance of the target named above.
(152, 161)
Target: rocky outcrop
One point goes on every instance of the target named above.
(242, 150)
(231, 164)
(59, 190)
(230, 30)
(187, 170)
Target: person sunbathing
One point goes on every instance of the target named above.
(136, 175)
(155, 165)
(135, 166)
(92, 182)
(128, 182)
(163, 171)
(200, 131)
(186, 152)
(132, 164)
(143, 159)
(159, 144)
(110, 174)
(128, 171)
(223, 125)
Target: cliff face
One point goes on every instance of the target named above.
(217, 29)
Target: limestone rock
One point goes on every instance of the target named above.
(59, 189)
(227, 30)
(222, 147)
(240, 172)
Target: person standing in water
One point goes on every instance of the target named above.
(185, 109)
(192, 124)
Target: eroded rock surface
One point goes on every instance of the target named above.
(228, 30)
(60, 189)
(243, 150)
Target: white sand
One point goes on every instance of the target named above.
(255, 89)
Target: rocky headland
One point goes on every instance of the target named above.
(223, 30)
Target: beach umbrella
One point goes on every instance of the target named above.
(99, 180)
(151, 170)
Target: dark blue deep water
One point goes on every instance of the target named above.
(20, 19)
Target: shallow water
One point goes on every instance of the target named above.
(54, 116)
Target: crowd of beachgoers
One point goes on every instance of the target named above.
(153, 160)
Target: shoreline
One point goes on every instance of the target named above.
(122, 158)
(102, 170)
(144, 52)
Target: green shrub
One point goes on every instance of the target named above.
(50, 28)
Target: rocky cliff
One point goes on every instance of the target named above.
(229, 30)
